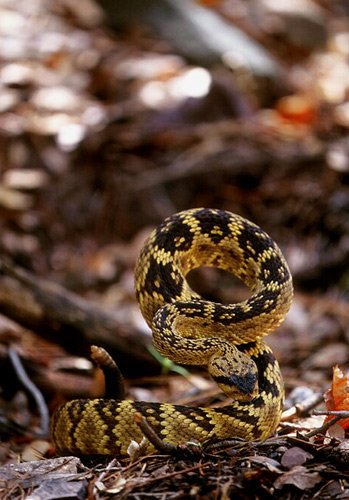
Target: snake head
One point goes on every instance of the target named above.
(235, 373)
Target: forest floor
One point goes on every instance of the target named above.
(105, 133)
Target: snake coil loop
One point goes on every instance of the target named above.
(228, 339)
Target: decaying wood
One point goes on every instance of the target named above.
(204, 36)
(75, 323)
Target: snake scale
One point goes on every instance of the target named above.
(227, 339)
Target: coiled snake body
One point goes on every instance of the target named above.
(189, 330)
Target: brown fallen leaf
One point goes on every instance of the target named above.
(295, 456)
(336, 431)
(337, 396)
(299, 477)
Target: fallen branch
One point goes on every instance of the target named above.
(205, 38)
(73, 322)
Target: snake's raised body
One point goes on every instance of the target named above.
(189, 330)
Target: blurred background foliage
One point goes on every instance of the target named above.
(117, 114)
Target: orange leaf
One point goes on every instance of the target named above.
(210, 3)
(297, 109)
(337, 396)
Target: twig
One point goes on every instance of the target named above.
(33, 392)
(302, 409)
(190, 448)
(152, 480)
(152, 436)
(98, 484)
(323, 428)
(224, 443)
(337, 413)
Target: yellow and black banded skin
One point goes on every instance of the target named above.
(189, 330)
